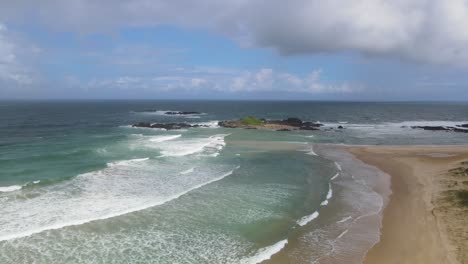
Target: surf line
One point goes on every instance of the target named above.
(115, 214)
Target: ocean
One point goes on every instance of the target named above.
(79, 184)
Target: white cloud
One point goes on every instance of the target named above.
(10, 68)
(261, 80)
(419, 30)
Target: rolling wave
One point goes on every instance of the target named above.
(122, 188)
(266, 253)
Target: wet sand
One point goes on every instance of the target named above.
(422, 223)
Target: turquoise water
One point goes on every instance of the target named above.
(78, 184)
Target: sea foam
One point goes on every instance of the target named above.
(306, 219)
(266, 253)
(11, 188)
(158, 139)
(119, 189)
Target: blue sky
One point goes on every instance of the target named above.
(371, 50)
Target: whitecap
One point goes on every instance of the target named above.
(338, 166)
(187, 171)
(158, 139)
(344, 219)
(342, 234)
(329, 195)
(306, 219)
(208, 146)
(208, 124)
(311, 152)
(266, 253)
(99, 198)
(126, 162)
(335, 176)
(11, 188)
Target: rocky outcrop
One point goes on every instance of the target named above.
(182, 113)
(167, 126)
(459, 128)
(289, 124)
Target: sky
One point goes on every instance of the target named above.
(383, 50)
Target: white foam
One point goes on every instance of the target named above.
(306, 219)
(310, 136)
(344, 219)
(342, 234)
(126, 162)
(208, 146)
(266, 253)
(338, 166)
(158, 139)
(311, 152)
(163, 113)
(144, 128)
(209, 124)
(36, 182)
(329, 195)
(11, 188)
(335, 176)
(113, 191)
(394, 127)
(188, 171)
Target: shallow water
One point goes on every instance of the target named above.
(78, 184)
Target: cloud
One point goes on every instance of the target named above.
(416, 30)
(12, 71)
(261, 80)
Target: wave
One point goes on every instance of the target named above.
(306, 219)
(311, 152)
(348, 239)
(164, 113)
(335, 176)
(266, 253)
(329, 195)
(344, 219)
(208, 146)
(342, 234)
(144, 128)
(393, 127)
(208, 124)
(164, 138)
(126, 162)
(187, 171)
(338, 166)
(11, 188)
(92, 204)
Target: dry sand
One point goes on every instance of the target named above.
(423, 222)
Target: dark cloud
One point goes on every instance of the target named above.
(417, 30)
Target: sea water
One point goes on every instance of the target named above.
(79, 184)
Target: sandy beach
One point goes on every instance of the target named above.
(424, 221)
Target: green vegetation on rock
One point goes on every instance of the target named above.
(251, 121)
(462, 197)
(460, 171)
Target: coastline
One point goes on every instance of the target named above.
(418, 226)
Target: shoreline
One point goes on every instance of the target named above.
(415, 229)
